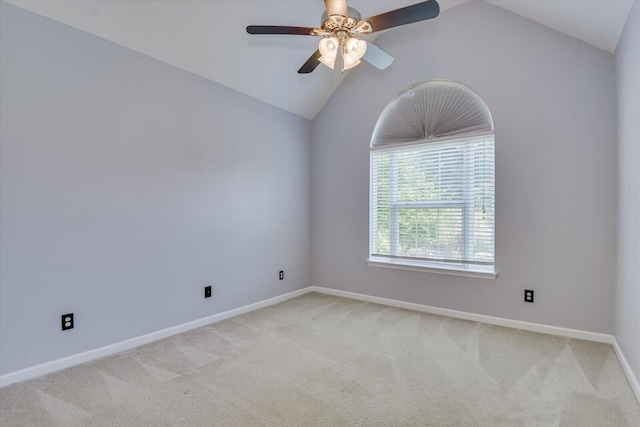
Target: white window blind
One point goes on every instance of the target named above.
(433, 202)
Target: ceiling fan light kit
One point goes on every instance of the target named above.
(341, 31)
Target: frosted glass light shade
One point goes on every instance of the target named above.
(329, 50)
(329, 62)
(329, 46)
(349, 61)
(356, 48)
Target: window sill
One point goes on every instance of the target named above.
(432, 268)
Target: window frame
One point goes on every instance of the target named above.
(470, 269)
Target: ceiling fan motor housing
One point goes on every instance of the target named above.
(333, 22)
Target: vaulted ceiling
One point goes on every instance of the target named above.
(208, 38)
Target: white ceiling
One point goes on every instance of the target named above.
(208, 38)
(597, 22)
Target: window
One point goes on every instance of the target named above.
(432, 202)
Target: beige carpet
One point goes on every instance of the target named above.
(319, 360)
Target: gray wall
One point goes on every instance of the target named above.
(553, 104)
(627, 307)
(127, 185)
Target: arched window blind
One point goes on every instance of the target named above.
(429, 110)
(432, 179)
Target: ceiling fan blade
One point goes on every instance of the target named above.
(417, 12)
(377, 57)
(336, 7)
(311, 63)
(278, 29)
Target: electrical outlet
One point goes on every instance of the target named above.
(281, 275)
(207, 291)
(528, 295)
(67, 321)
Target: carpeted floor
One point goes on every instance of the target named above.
(320, 360)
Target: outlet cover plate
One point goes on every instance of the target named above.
(67, 321)
(528, 295)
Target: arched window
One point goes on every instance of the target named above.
(432, 197)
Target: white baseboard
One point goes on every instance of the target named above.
(633, 380)
(86, 356)
(499, 321)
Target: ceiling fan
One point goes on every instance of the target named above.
(341, 29)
